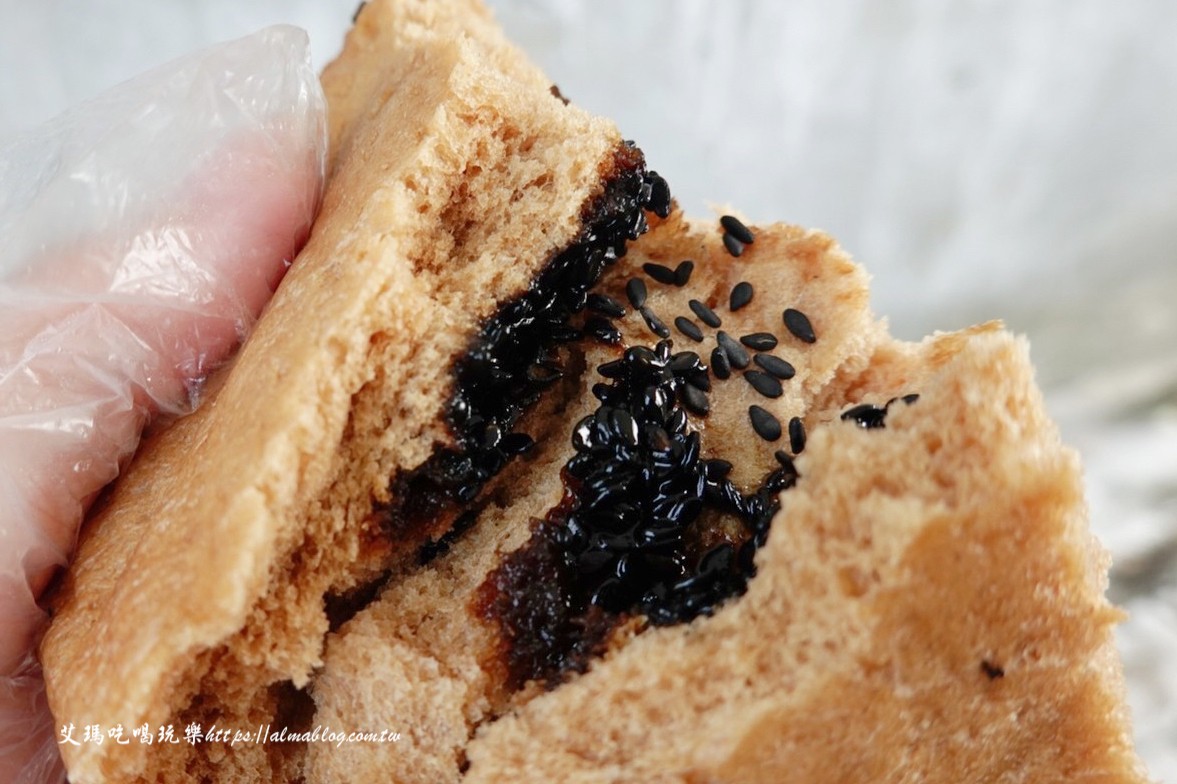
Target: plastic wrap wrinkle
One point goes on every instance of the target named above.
(140, 235)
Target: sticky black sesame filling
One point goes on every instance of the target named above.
(515, 358)
(648, 527)
(648, 530)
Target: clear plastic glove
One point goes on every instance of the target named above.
(140, 236)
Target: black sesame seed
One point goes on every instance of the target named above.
(866, 416)
(582, 434)
(624, 426)
(684, 361)
(635, 290)
(659, 273)
(733, 245)
(602, 330)
(717, 468)
(719, 364)
(657, 438)
(759, 341)
(605, 305)
(775, 366)
(516, 443)
(765, 424)
(733, 226)
(694, 399)
(764, 383)
(909, 399)
(705, 314)
(659, 200)
(682, 273)
(798, 323)
(689, 328)
(639, 227)
(736, 353)
(613, 369)
(784, 459)
(780, 479)
(654, 323)
(796, 435)
(741, 295)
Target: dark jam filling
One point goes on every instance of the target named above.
(514, 359)
(647, 527)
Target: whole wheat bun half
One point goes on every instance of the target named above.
(551, 483)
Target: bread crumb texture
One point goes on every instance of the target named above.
(928, 605)
(198, 587)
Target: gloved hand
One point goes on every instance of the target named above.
(140, 235)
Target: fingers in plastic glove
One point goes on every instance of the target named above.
(142, 233)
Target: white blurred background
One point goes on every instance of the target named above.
(1011, 159)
